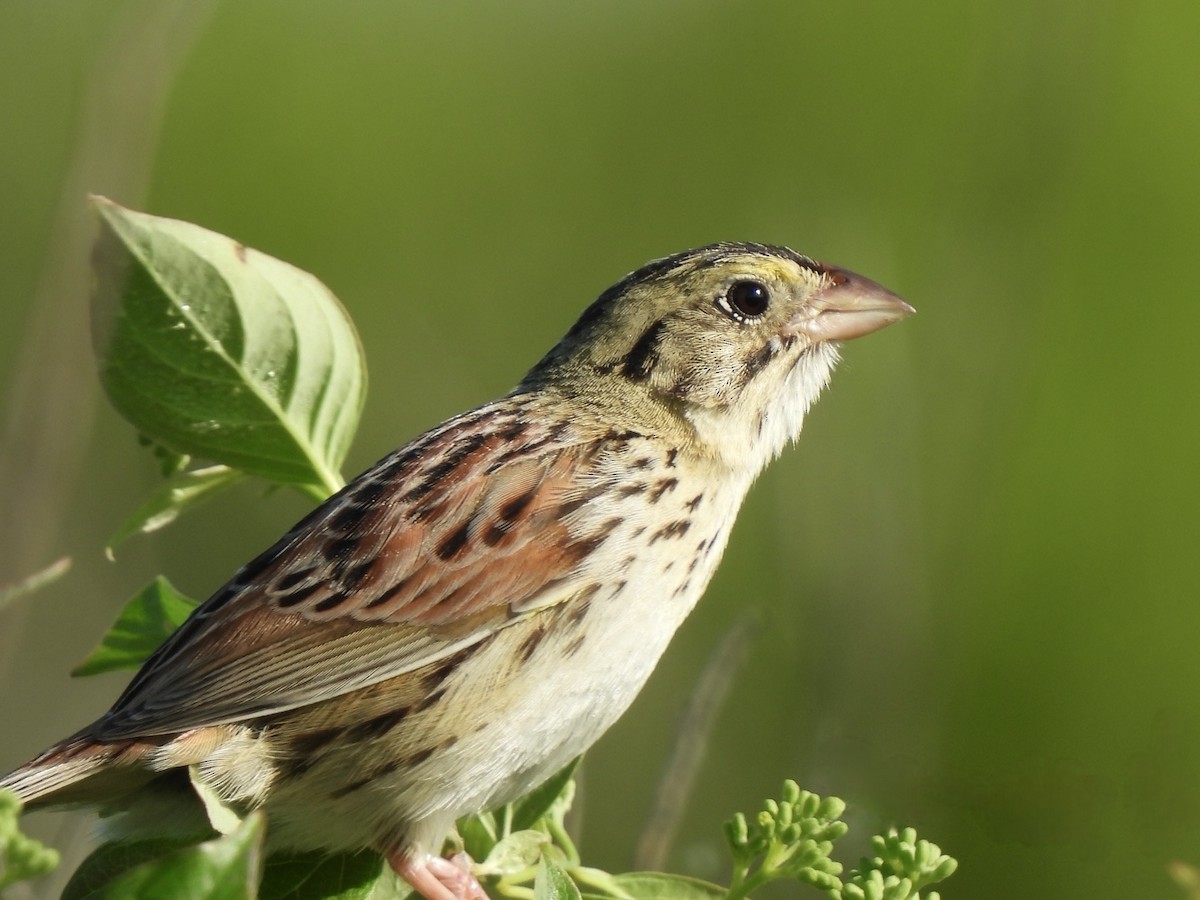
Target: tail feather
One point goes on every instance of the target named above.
(77, 771)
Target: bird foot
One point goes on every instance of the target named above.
(435, 878)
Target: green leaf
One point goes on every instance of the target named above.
(479, 834)
(34, 582)
(21, 857)
(223, 818)
(215, 350)
(111, 860)
(226, 868)
(538, 802)
(177, 494)
(553, 883)
(145, 622)
(515, 853)
(338, 876)
(662, 886)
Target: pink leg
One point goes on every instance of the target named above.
(435, 878)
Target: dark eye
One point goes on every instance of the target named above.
(746, 300)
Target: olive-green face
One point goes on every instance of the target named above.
(700, 326)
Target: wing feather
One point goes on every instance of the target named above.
(431, 550)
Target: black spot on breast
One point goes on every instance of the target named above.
(581, 604)
(530, 643)
(430, 700)
(574, 647)
(666, 484)
(694, 503)
(672, 530)
(639, 362)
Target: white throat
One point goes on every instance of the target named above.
(769, 415)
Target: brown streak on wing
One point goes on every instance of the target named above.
(358, 592)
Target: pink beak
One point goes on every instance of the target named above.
(849, 307)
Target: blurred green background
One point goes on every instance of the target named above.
(975, 581)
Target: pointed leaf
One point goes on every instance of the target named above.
(223, 818)
(662, 886)
(538, 802)
(215, 350)
(338, 876)
(177, 494)
(479, 834)
(145, 622)
(226, 868)
(553, 883)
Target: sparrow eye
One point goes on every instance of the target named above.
(745, 300)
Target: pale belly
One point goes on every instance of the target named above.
(534, 696)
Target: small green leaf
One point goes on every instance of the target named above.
(226, 868)
(337, 876)
(21, 857)
(553, 883)
(223, 818)
(662, 886)
(145, 622)
(215, 350)
(479, 834)
(177, 494)
(538, 802)
(515, 853)
(34, 582)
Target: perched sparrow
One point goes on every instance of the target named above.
(477, 608)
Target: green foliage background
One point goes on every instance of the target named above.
(976, 576)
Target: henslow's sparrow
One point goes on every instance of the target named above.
(474, 610)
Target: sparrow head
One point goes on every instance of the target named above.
(737, 339)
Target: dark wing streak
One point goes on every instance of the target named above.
(242, 654)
